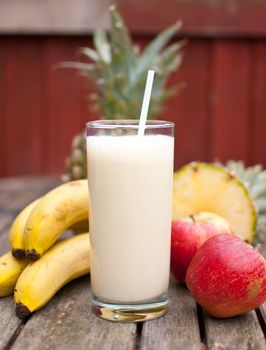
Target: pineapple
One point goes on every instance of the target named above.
(76, 163)
(211, 187)
(254, 178)
(118, 71)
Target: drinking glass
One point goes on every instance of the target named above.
(130, 199)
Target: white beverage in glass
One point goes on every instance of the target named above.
(130, 184)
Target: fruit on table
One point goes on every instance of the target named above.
(227, 276)
(211, 187)
(188, 234)
(65, 261)
(57, 211)
(16, 232)
(10, 270)
(118, 71)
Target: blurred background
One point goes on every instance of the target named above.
(220, 114)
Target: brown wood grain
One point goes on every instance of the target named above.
(257, 117)
(220, 112)
(178, 329)
(68, 323)
(9, 323)
(21, 191)
(242, 333)
(2, 106)
(67, 99)
(205, 18)
(52, 16)
(191, 114)
(5, 222)
(24, 99)
(17, 193)
(263, 314)
(201, 18)
(230, 100)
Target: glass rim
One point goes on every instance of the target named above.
(128, 124)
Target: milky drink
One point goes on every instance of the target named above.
(130, 185)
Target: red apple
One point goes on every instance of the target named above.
(188, 234)
(227, 276)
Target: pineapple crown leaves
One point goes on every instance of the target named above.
(254, 177)
(119, 71)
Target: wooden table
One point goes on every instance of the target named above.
(67, 322)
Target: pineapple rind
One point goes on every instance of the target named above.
(254, 178)
(210, 187)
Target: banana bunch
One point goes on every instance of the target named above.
(41, 279)
(10, 270)
(36, 268)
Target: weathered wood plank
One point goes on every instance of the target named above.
(204, 18)
(263, 250)
(67, 323)
(8, 320)
(242, 333)
(263, 313)
(9, 323)
(2, 105)
(4, 246)
(178, 329)
(65, 117)
(22, 101)
(230, 100)
(191, 119)
(8, 184)
(5, 222)
(21, 191)
(5, 219)
(201, 18)
(258, 120)
(53, 16)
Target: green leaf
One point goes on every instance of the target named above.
(103, 49)
(169, 92)
(258, 190)
(170, 59)
(153, 49)
(119, 34)
(75, 65)
(123, 54)
(261, 203)
(102, 45)
(172, 50)
(90, 53)
(89, 70)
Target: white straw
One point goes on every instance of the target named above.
(145, 103)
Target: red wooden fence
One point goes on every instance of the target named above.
(220, 114)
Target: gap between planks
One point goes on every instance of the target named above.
(10, 325)
(14, 336)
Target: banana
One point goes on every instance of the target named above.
(65, 261)
(80, 227)
(15, 236)
(10, 270)
(58, 210)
